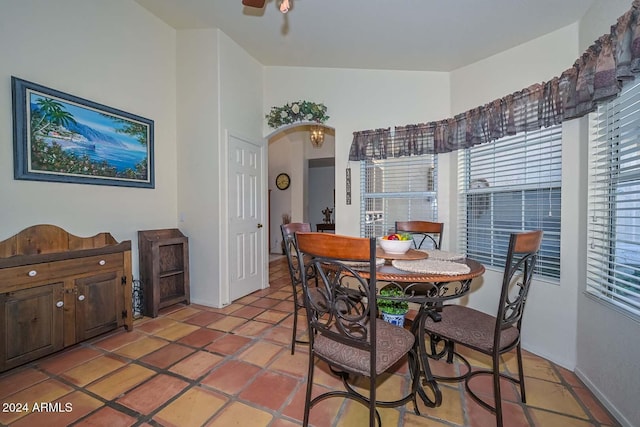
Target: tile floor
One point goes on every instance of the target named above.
(196, 366)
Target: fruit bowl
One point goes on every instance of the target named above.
(396, 247)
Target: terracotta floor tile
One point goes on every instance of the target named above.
(228, 344)
(119, 339)
(357, 414)
(45, 391)
(155, 325)
(260, 353)
(93, 369)
(251, 328)
(204, 318)
(248, 299)
(280, 335)
(183, 313)
(231, 377)
(141, 347)
(196, 365)
(265, 302)
(167, 355)
(201, 337)
(246, 372)
(452, 408)
(67, 359)
(543, 418)
(281, 295)
(552, 396)
(295, 365)
(248, 312)
(238, 413)
(64, 411)
(272, 316)
(193, 408)
(227, 324)
(322, 414)
(14, 381)
(270, 389)
(153, 393)
(107, 417)
(177, 331)
(231, 308)
(285, 306)
(120, 381)
(595, 408)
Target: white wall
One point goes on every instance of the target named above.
(220, 94)
(358, 100)
(73, 46)
(550, 319)
(607, 341)
(198, 166)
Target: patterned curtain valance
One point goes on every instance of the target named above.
(594, 78)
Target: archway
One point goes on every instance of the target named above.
(312, 177)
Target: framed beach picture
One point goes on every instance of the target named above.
(64, 138)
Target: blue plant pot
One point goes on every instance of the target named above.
(394, 319)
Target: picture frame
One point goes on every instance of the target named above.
(60, 137)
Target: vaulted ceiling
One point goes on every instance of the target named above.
(425, 35)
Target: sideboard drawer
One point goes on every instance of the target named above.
(24, 276)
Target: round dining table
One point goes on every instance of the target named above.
(429, 290)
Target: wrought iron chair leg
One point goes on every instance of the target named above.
(497, 398)
(523, 396)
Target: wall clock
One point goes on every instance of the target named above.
(283, 181)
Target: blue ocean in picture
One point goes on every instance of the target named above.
(88, 132)
(114, 155)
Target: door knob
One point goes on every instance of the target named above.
(259, 225)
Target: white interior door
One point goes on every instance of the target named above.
(246, 231)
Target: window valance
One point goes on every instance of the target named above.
(594, 78)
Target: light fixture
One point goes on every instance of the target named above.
(316, 136)
(284, 6)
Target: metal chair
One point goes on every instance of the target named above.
(431, 230)
(492, 335)
(344, 331)
(290, 250)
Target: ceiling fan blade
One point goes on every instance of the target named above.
(254, 3)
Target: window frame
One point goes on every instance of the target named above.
(536, 183)
(379, 221)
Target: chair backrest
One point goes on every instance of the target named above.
(518, 274)
(289, 242)
(337, 308)
(431, 230)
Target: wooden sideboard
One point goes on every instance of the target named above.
(57, 289)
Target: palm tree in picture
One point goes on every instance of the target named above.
(50, 113)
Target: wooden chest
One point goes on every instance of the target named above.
(57, 289)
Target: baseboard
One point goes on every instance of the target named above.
(624, 422)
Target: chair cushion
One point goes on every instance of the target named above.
(470, 327)
(392, 343)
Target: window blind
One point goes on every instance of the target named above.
(396, 189)
(613, 252)
(512, 185)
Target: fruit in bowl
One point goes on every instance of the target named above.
(396, 244)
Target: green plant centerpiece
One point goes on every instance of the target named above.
(392, 305)
(298, 111)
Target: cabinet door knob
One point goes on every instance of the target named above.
(102, 262)
(59, 304)
(80, 297)
(32, 273)
(259, 225)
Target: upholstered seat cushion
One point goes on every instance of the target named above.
(392, 343)
(470, 327)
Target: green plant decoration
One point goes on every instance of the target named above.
(298, 111)
(392, 306)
